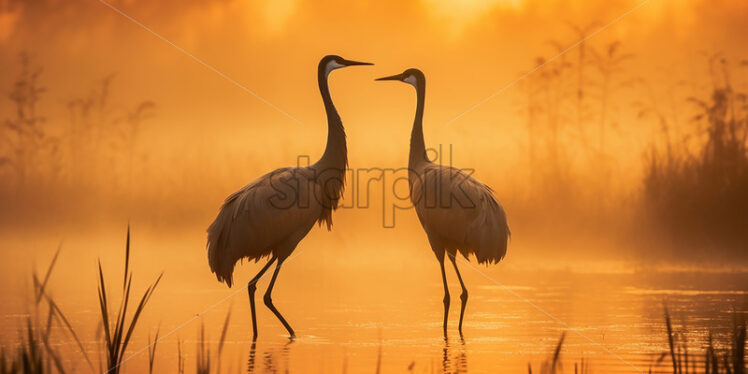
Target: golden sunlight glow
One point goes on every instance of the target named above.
(277, 13)
(9, 16)
(621, 164)
(459, 14)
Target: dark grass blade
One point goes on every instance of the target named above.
(103, 305)
(141, 306)
(679, 354)
(143, 301)
(31, 360)
(711, 356)
(43, 285)
(118, 331)
(69, 328)
(56, 313)
(152, 350)
(37, 355)
(50, 351)
(120, 322)
(670, 341)
(379, 359)
(224, 332)
(127, 258)
(55, 358)
(203, 353)
(45, 333)
(557, 352)
(738, 350)
(738, 345)
(726, 358)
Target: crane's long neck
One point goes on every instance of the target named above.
(336, 153)
(417, 144)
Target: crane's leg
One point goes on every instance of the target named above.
(251, 287)
(269, 300)
(464, 296)
(446, 295)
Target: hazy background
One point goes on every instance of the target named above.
(128, 127)
(624, 155)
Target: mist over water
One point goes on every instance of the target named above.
(621, 163)
(346, 310)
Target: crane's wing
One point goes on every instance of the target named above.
(259, 216)
(462, 212)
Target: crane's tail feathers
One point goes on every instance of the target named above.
(231, 237)
(217, 235)
(224, 244)
(326, 217)
(493, 237)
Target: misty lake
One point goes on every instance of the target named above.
(356, 311)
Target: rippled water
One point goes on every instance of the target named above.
(612, 326)
(356, 311)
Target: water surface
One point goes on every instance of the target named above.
(377, 306)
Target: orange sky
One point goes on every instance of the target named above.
(468, 50)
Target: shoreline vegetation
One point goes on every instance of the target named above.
(687, 201)
(36, 353)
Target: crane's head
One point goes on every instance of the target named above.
(332, 62)
(411, 76)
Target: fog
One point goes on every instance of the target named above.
(613, 134)
(119, 125)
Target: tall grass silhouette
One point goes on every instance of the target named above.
(152, 345)
(117, 329)
(729, 361)
(553, 364)
(695, 187)
(204, 363)
(35, 353)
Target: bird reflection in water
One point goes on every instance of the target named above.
(454, 362)
(272, 360)
(251, 362)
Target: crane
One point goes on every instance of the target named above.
(457, 212)
(272, 214)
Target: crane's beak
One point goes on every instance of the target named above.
(396, 77)
(352, 63)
